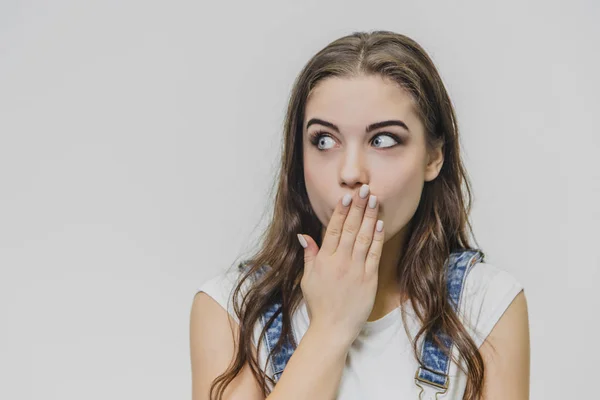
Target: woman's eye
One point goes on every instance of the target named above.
(321, 140)
(383, 140)
(388, 138)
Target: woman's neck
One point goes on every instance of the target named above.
(388, 295)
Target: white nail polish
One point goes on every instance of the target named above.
(364, 191)
(372, 201)
(346, 200)
(379, 225)
(302, 241)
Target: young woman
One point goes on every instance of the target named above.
(384, 297)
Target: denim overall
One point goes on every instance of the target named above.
(432, 375)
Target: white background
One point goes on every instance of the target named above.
(138, 141)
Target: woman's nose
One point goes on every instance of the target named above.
(353, 171)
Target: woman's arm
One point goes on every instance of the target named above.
(506, 355)
(315, 369)
(212, 347)
(313, 372)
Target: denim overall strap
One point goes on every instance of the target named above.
(434, 371)
(278, 359)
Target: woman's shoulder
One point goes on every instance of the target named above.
(488, 291)
(221, 286)
(486, 275)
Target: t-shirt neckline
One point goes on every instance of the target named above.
(369, 327)
(382, 323)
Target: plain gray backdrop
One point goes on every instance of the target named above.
(139, 141)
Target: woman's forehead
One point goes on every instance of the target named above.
(353, 103)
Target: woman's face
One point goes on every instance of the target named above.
(341, 153)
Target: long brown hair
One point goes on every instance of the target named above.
(440, 224)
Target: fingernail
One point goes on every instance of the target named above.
(364, 191)
(372, 201)
(346, 200)
(302, 241)
(379, 225)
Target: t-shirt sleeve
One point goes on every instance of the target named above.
(220, 287)
(488, 292)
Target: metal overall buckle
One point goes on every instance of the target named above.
(440, 389)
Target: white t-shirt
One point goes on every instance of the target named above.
(381, 363)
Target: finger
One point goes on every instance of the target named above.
(366, 232)
(354, 220)
(310, 250)
(374, 254)
(336, 222)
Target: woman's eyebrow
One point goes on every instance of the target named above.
(372, 127)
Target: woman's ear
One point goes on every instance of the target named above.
(435, 160)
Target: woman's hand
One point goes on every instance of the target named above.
(340, 279)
